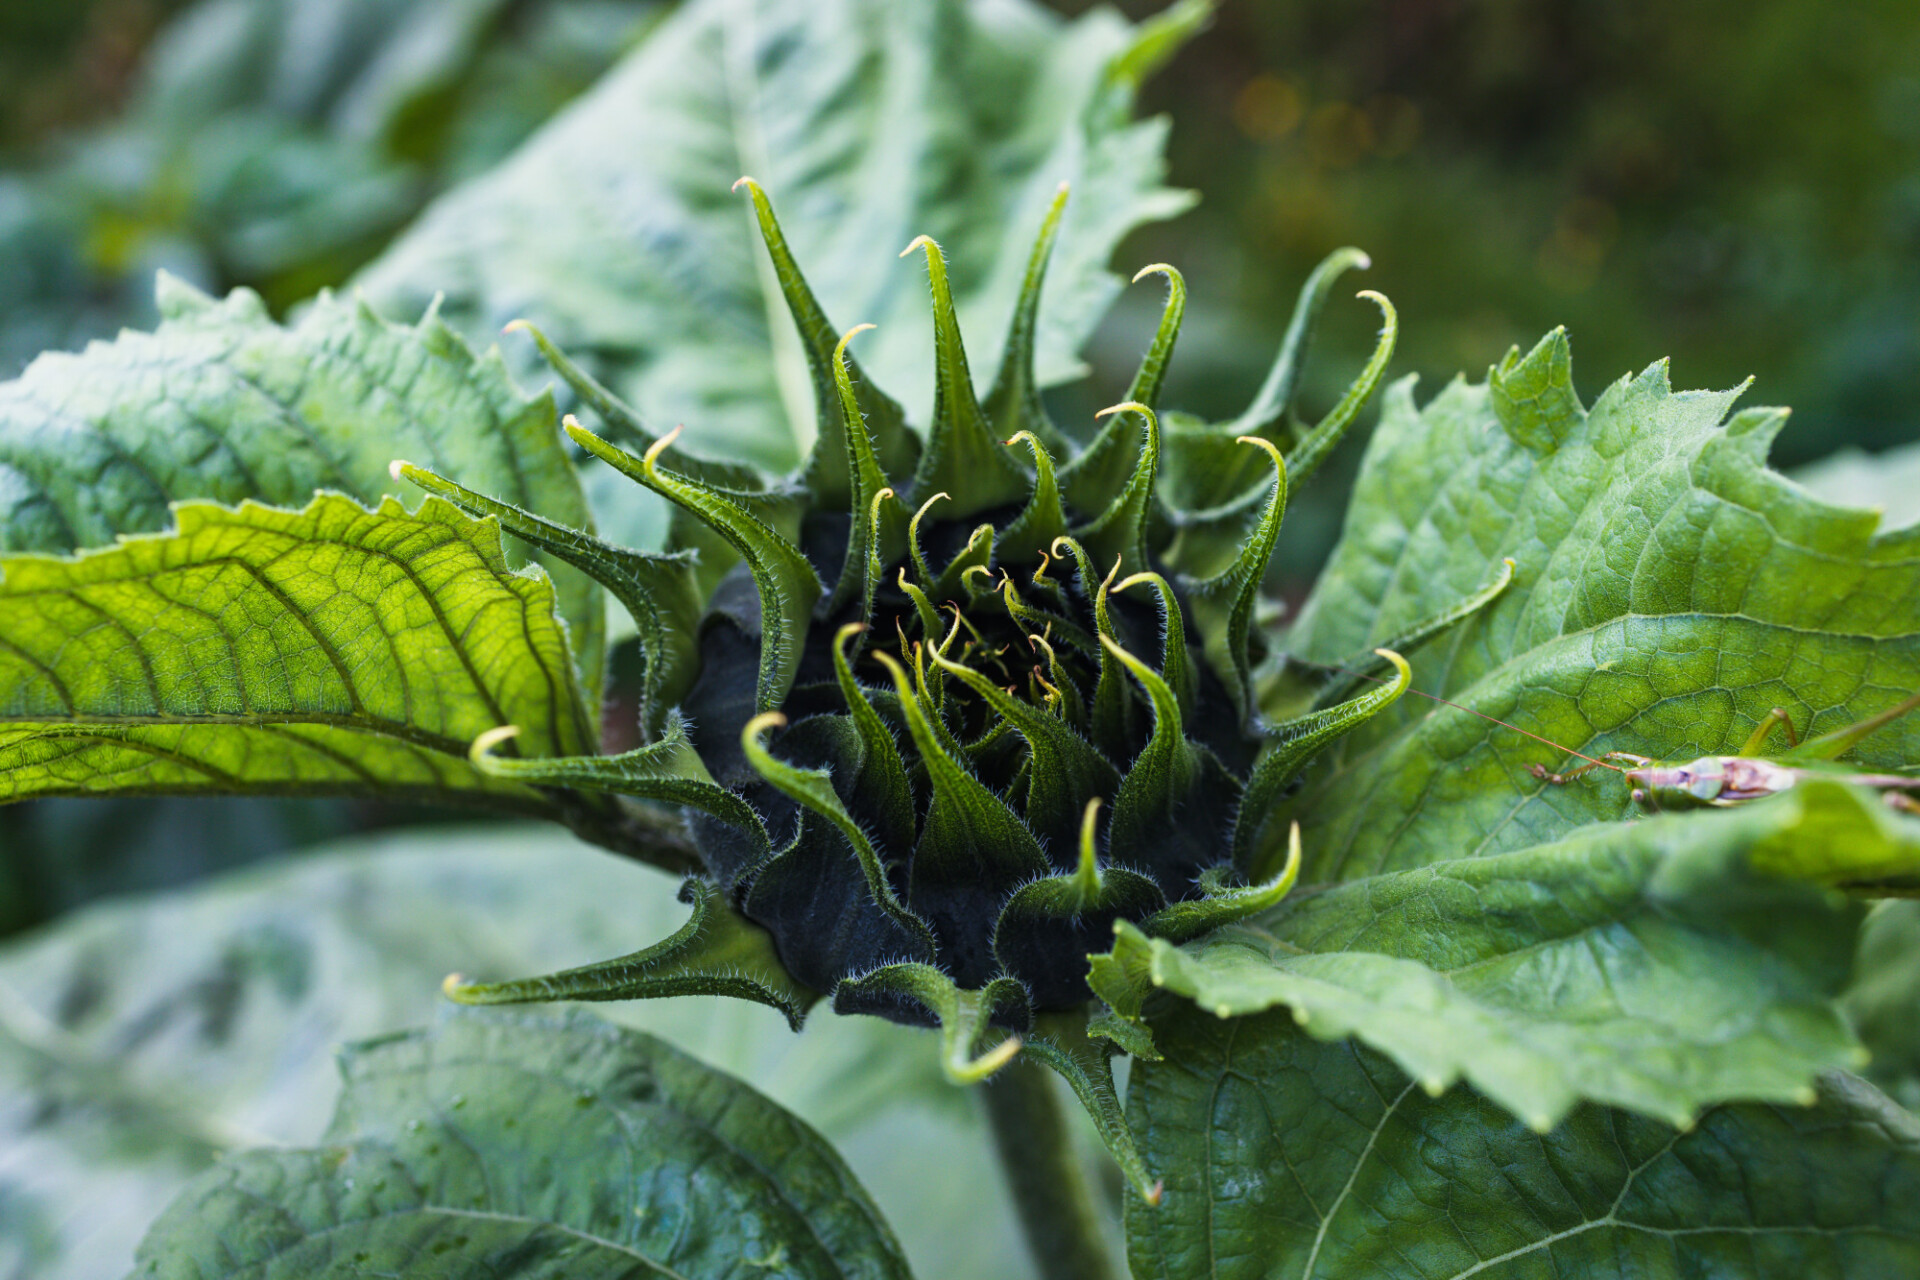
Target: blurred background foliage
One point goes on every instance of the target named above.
(1734, 186)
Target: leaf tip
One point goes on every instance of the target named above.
(1155, 1193)
(398, 468)
(744, 180)
(1152, 268)
(517, 326)
(926, 242)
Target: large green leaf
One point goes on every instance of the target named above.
(519, 1145)
(1669, 591)
(1660, 966)
(869, 122)
(1287, 1157)
(333, 649)
(138, 1038)
(220, 403)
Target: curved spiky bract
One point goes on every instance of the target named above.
(787, 583)
(1224, 604)
(716, 953)
(908, 681)
(1297, 741)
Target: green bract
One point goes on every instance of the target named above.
(943, 715)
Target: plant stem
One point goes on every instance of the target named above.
(1049, 1185)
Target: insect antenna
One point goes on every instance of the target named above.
(1432, 697)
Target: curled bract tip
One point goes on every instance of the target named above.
(518, 326)
(1152, 268)
(660, 446)
(743, 180)
(919, 241)
(398, 468)
(1399, 663)
(761, 723)
(451, 984)
(1273, 450)
(1155, 1194)
(484, 744)
(849, 335)
(1017, 437)
(851, 629)
(986, 1064)
(1362, 260)
(1123, 407)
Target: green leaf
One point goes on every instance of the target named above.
(333, 649)
(220, 403)
(613, 230)
(659, 592)
(515, 1145)
(1669, 590)
(1660, 966)
(1286, 1156)
(140, 1037)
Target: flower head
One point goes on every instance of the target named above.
(943, 710)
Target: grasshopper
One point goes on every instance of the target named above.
(1724, 781)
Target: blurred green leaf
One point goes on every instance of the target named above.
(519, 1145)
(1283, 1155)
(271, 143)
(1669, 591)
(868, 123)
(333, 649)
(1884, 1000)
(138, 1037)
